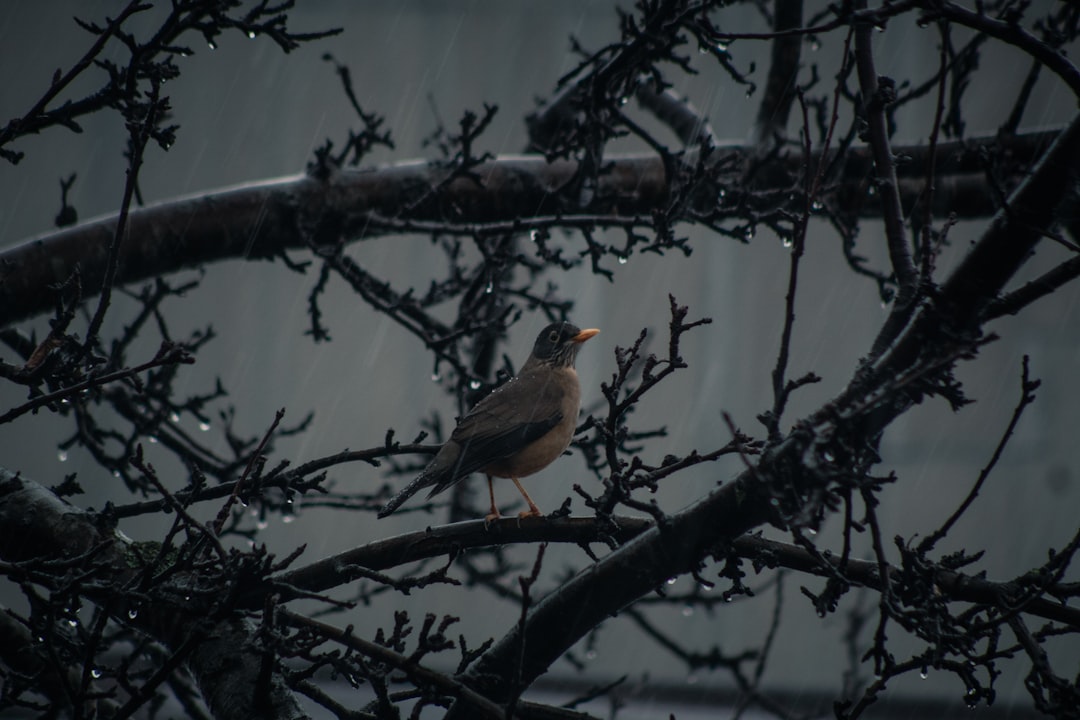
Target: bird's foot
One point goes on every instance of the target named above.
(491, 517)
(531, 512)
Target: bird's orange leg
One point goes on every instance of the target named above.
(533, 511)
(494, 514)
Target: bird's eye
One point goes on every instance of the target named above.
(553, 336)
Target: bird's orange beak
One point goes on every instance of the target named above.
(585, 335)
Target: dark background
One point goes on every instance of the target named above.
(248, 112)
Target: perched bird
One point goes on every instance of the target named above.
(517, 430)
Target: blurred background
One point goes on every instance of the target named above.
(248, 112)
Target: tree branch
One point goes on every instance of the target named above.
(38, 525)
(261, 220)
(877, 94)
(776, 103)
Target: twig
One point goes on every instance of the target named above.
(139, 136)
(1027, 396)
(526, 583)
(168, 354)
(256, 458)
(417, 672)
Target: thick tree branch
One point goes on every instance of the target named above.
(776, 103)
(1012, 33)
(261, 220)
(982, 274)
(446, 539)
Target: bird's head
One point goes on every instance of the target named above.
(558, 344)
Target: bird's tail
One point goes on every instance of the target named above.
(419, 483)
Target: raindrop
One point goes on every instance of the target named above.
(65, 401)
(533, 235)
(815, 44)
(817, 206)
(702, 49)
(132, 614)
(749, 233)
(116, 473)
(435, 377)
(622, 259)
(251, 34)
(672, 581)
(821, 613)
(174, 417)
(489, 288)
(62, 456)
(152, 440)
(774, 502)
(212, 45)
(924, 673)
(787, 241)
(871, 191)
(72, 623)
(204, 426)
(811, 531)
(623, 100)
(829, 457)
(720, 195)
(288, 519)
(721, 47)
(687, 611)
(262, 524)
(474, 385)
(95, 673)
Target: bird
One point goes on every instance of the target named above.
(518, 429)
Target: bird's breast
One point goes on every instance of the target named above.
(565, 394)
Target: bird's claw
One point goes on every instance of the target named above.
(533, 512)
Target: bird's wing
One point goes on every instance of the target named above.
(502, 424)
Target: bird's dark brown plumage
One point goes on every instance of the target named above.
(517, 430)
